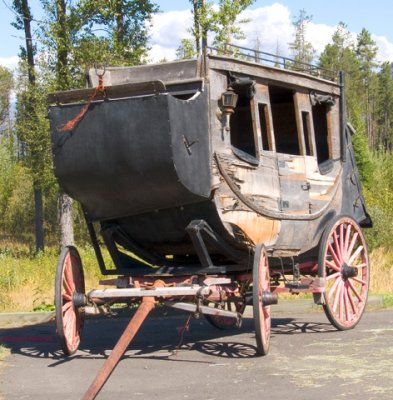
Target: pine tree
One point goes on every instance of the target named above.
(6, 84)
(340, 55)
(366, 51)
(385, 107)
(223, 22)
(185, 50)
(125, 28)
(302, 51)
(29, 125)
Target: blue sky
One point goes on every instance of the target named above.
(271, 23)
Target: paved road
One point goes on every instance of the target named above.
(308, 360)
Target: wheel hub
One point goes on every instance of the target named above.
(79, 300)
(269, 298)
(348, 271)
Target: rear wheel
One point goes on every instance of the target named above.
(223, 323)
(261, 284)
(343, 263)
(69, 280)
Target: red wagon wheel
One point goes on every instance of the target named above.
(69, 319)
(261, 284)
(223, 323)
(343, 263)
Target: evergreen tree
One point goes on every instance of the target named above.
(302, 51)
(6, 84)
(125, 28)
(225, 22)
(222, 21)
(366, 51)
(185, 50)
(198, 6)
(385, 107)
(340, 55)
(29, 123)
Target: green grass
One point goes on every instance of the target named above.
(27, 279)
(388, 300)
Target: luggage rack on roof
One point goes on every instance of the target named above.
(262, 57)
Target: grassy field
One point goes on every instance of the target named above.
(27, 281)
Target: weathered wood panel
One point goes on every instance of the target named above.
(179, 70)
(288, 78)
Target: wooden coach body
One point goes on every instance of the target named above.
(171, 172)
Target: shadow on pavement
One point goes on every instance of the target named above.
(159, 338)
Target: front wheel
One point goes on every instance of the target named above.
(344, 265)
(261, 284)
(69, 280)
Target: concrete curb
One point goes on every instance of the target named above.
(295, 306)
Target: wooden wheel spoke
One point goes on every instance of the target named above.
(333, 266)
(346, 303)
(67, 298)
(69, 278)
(354, 290)
(341, 302)
(358, 280)
(334, 255)
(333, 276)
(355, 255)
(341, 239)
(353, 241)
(337, 247)
(67, 319)
(334, 287)
(67, 287)
(352, 302)
(337, 295)
(346, 242)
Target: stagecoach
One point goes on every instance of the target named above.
(214, 183)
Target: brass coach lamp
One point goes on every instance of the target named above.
(229, 101)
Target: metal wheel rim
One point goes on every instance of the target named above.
(345, 297)
(69, 320)
(261, 283)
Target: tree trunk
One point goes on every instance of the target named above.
(38, 203)
(119, 24)
(204, 35)
(63, 83)
(66, 220)
(197, 27)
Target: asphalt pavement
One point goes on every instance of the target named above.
(308, 359)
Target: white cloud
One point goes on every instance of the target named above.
(166, 32)
(9, 62)
(385, 48)
(319, 35)
(270, 28)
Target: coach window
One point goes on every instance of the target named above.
(264, 121)
(242, 132)
(284, 120)
(321, 113)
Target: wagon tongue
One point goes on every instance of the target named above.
(348, 271)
